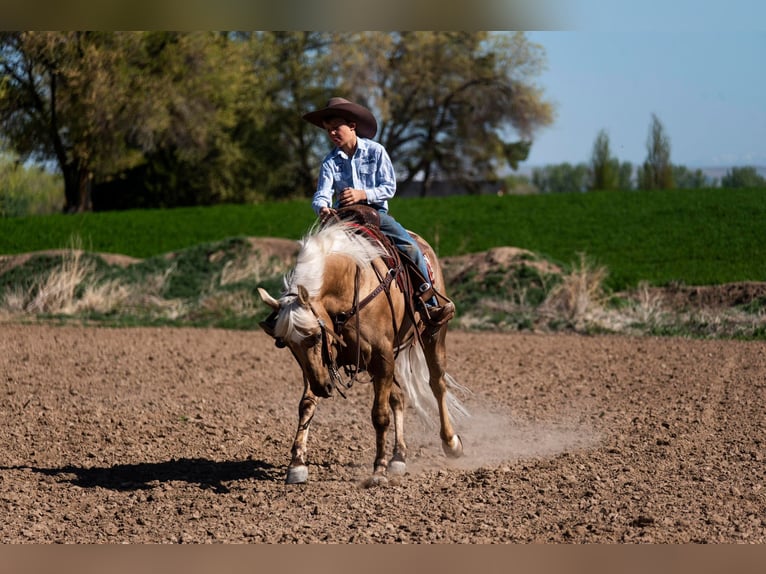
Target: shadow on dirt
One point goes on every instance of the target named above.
(207, 474)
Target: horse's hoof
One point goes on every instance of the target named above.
(297, 474)
(397, 468)
(453, 448)
(376, 480)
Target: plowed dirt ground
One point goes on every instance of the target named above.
(183, 435)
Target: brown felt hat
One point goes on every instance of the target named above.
(366, 125)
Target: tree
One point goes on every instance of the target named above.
(170, 118)
(684, 178)
(743, 177)
(453, 105)
(625, 176)
(605, 169)
(98, 103)
(657, 171)
(295, 73)
(561, 178)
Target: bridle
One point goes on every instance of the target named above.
(330, 335)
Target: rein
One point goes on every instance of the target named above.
(384, 285)
(341, 319)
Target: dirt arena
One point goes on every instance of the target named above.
(183, 436)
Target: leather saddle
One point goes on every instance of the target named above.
(368, 220)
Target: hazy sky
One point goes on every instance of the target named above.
(699, 66)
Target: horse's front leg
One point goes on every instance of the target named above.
(381, 419)
(397, 465)
(298, 470)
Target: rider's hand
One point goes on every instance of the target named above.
(350, 196)
(325, 213)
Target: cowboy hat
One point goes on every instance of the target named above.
(366, 125)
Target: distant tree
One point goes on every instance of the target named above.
(175, 118)
(657, 171)
(27, 189)
(625, 176)
(605, 169)
(685, 178)
(518, 185)
(452, 105)
(743, 177)
(561, 178)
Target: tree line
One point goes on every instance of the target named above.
(162, 119)
(606, 172)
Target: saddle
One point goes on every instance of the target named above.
(368, 221)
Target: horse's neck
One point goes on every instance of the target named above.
(338, 283)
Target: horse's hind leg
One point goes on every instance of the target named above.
(298, 470)
(436, 357)
(397, 465)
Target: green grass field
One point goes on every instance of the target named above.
(696, 237)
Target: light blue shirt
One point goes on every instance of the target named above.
(369, 169)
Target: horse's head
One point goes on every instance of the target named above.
(306, 329)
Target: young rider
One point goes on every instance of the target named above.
(359, 170)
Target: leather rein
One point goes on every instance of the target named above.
(330, 335)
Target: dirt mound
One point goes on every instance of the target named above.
(283, 249)
(8, 262)
(504, 288)
(503, 259)
(712, 296)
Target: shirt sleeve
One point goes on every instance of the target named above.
(385, 179)
(324, 192)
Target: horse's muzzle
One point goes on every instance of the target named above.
(323, 390)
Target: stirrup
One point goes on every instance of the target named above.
(426, 292)
(438, 316)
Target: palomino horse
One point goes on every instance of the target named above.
(342, 306)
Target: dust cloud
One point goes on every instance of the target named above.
(491, 437)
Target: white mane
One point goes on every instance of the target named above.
(316, 246)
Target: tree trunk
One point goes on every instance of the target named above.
(425, 187)
(77, 188)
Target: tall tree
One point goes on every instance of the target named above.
(293, 71)
(657, 170)
(605, 169)
(457, 105)
(96, 103)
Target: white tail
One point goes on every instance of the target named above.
(411, 372)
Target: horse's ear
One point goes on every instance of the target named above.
(268, 299)
(303, 295)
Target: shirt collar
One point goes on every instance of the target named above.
(361, 145)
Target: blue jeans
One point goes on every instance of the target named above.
(406, 244)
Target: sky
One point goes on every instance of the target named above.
(699, 66)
